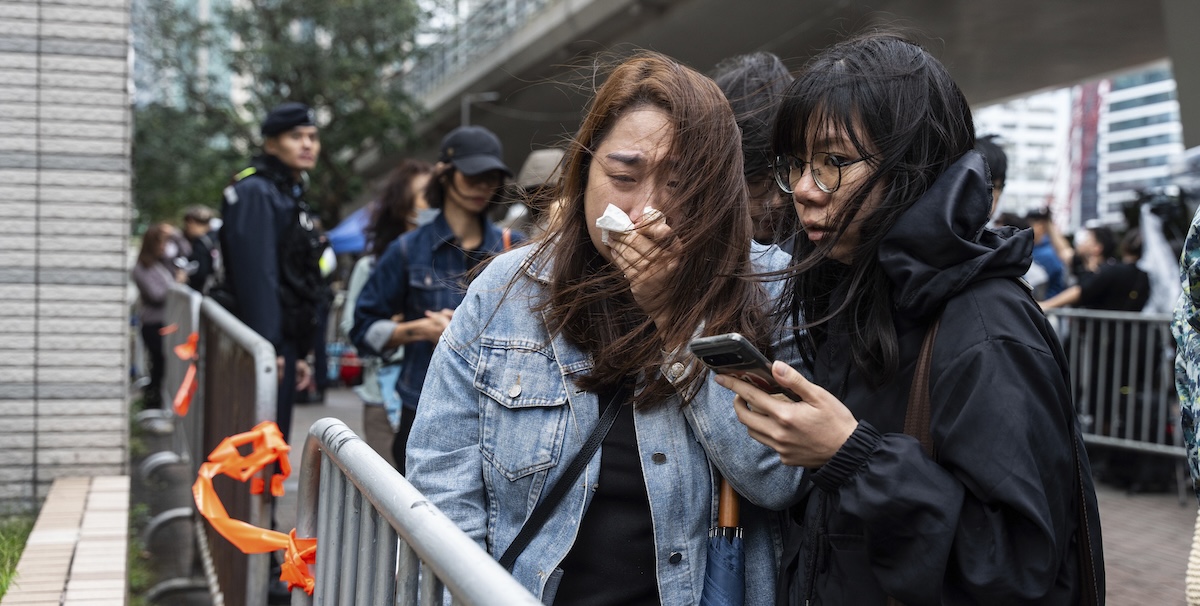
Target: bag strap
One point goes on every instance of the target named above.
(917, 422)
(917, 418)
(542, 511)
(506, 237)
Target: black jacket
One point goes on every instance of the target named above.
(271, 250)
(993, 519)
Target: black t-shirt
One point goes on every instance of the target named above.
(612, 561)
(1116, 287)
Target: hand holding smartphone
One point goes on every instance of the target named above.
(732, 354)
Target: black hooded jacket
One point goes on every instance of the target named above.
(993, 520)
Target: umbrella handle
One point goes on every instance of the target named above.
(727, 506)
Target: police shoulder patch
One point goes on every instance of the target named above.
(231, 196)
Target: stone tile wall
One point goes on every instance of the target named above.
(65, 134)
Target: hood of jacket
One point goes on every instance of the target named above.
(941, 244)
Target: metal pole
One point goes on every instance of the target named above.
(469, 98)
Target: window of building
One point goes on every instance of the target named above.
(1140, 101)
(1144, 142)
(1157, 74)
(1137, 184)
(1138, 163)
(1144, 121)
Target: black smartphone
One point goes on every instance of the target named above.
(732, 354)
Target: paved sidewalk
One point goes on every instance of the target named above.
(1146, 536)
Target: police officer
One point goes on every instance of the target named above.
(271, 247)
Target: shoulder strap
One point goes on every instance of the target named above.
(506, 236)
(244, 173)
(917, 421)
(542, 511)
(918, 417)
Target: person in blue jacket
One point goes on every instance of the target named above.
(422, 276)
(271, 248)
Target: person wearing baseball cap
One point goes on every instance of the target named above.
(422, 276)
(271, 247)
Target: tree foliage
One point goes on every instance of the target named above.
(206, 81)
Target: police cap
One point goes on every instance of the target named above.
(285, 117)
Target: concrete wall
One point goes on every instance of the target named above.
(64, 228)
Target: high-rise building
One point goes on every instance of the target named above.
(1087, 151)
(1034, 133)
(1139, 134)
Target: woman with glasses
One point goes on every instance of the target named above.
(421, 276)
(966, 486)
(585, 327)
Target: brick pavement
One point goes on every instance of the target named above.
(1146, 536)
(1146, 542)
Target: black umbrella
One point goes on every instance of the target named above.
(725, 572)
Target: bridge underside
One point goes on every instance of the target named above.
(995, 50)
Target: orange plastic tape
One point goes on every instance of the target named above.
(269, 447)
(187, 389)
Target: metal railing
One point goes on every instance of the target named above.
(379, 540)
(1122, 373)
(488, 25)
(237, 378)
(183, 312)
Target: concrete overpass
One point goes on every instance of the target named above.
(522, 49)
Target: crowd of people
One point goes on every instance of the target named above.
(525, 335)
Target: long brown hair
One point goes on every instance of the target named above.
(393, 211)
(589, 302)
(152, 242)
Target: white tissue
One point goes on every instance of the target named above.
(615, 219)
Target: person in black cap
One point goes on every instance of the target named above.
(271, 248)
(421, 277)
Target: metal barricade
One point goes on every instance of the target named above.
(1122, 373)
(238, 384)
(183, 313)
(357, 505)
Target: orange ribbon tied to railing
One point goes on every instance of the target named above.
(225, 459)
(187, 389)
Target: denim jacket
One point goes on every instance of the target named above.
(422, 270)
(501, 419)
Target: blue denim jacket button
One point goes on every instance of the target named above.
(659, 458)
(514, 391)
(675, 557)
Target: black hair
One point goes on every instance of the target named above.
(443, 178)
(901, 110)
(393, 209)
(1131, 243)
(753, 84)
(1107, 241)
(994, 156)
(1012, 220)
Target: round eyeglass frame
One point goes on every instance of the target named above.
(783, 167)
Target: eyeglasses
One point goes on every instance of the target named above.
(826, 171)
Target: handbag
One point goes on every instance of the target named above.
(541, 513)
(917, 420)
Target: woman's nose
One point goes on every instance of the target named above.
(805, 191)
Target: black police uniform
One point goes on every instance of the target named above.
(271, 251)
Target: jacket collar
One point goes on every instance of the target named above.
(278, 173)
(444, 236)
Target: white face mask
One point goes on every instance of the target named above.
(170, 250)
